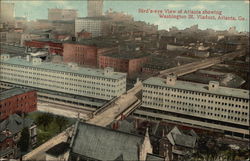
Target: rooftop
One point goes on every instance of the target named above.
(102, 143)
(58, 149)
(198, 87)
(127, 55)
(94, 18)
(95, 42)
(64, 68)
(12, 92)
(14, 123)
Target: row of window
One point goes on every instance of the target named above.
(192, 103)
(208, 114)
(179, 93)
(18, 68)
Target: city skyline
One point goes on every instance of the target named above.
(38, 10)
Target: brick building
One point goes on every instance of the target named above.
(17, 100)
(130, 63)
(55, 46)
(85, 53)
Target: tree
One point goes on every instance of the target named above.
(24, 140)
(61, 121)
(45, 120)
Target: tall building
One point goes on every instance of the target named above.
(92, 83)
(7, 13)
(95, 8)
(97, 26)
(207, 106)
(56, 14)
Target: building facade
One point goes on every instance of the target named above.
(95, 8)
(209, 106)
(93, 83)
(7, 11)
(17, 100)
(128, 63)
(55, 14)
(84, 54)
(97, 26)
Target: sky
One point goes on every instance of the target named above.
(38, 9)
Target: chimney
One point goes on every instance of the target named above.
(213, 85)
(171, 80)
(73, 39)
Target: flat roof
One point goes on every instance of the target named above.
(198, 87)
(127, 55)
(64, 68)
(94, 42)
(12, 92)
(94, 18)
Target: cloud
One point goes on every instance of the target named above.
(199, 7)
(175, 5)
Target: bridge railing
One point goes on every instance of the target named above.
(105, 106)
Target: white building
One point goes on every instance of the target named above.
(97, 26)
(209, 106)
(93, 83)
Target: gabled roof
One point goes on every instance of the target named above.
(176, 137)
(105, 144)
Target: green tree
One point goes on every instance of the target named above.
(45, 120)
(23, 143)
(61, 122)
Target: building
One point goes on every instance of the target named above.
(21, 22)
(97, 26)
(128, 62)
(10, 134)
(55, 14)
(53, 46)
(70, 79)
(58, 152)
(17, 100)
(95, 8)
(206, 106)
(119, 16)
(86, 52)
(7, 13)
(91, 142)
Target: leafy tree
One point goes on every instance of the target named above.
(24, 140)
(61, 122)
(45, 120)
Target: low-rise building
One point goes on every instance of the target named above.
(53, 46)
(200, 105)
(91, 142)
(17, 100)
(10, 134)
(128, 62)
